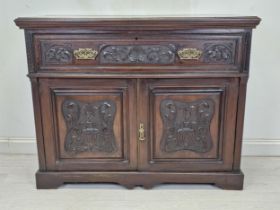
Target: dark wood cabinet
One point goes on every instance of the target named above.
(139, 101)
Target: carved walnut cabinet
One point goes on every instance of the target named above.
(139, 101)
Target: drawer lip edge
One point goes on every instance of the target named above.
(138, 75)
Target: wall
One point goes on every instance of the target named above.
(262, 133)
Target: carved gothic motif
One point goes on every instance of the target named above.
(218, 53)
(186, 125)
(89, 126)
(56, 54)
(144, 54)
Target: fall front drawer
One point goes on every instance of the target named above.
(139, 101)
(200, 51)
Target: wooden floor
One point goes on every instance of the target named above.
(17, 191)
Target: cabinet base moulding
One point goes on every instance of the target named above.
(224, 180)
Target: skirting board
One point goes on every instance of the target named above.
(251, 147)
(18, 145)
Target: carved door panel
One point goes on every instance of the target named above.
(89, 124)
(188, 124)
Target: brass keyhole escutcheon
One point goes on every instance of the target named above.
(141, 132)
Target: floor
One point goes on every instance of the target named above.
(17, 191)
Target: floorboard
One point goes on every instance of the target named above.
(17, 191)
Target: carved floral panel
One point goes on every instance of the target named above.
(56, 54)
(218, 53)
(135, 54)
(89, 126)
(186, 125)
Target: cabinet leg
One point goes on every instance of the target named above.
(129, 186)
(46, 181)
(230, 183)
(150, 185)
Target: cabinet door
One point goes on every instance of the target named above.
(89, 124)
(189, 124)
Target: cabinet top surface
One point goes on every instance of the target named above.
(137, 22)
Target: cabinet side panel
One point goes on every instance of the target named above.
(30, 50)
(240, 122)
(247, 53)
(38, 123)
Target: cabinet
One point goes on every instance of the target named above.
(139, 101)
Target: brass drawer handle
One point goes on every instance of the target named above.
(141, 132)
(85, 53)
(189, 54)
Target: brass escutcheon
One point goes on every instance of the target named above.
(141, 132)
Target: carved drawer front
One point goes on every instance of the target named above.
(86, 126)
(66, 51)
(189, 124)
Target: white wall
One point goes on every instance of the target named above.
(262, 127)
